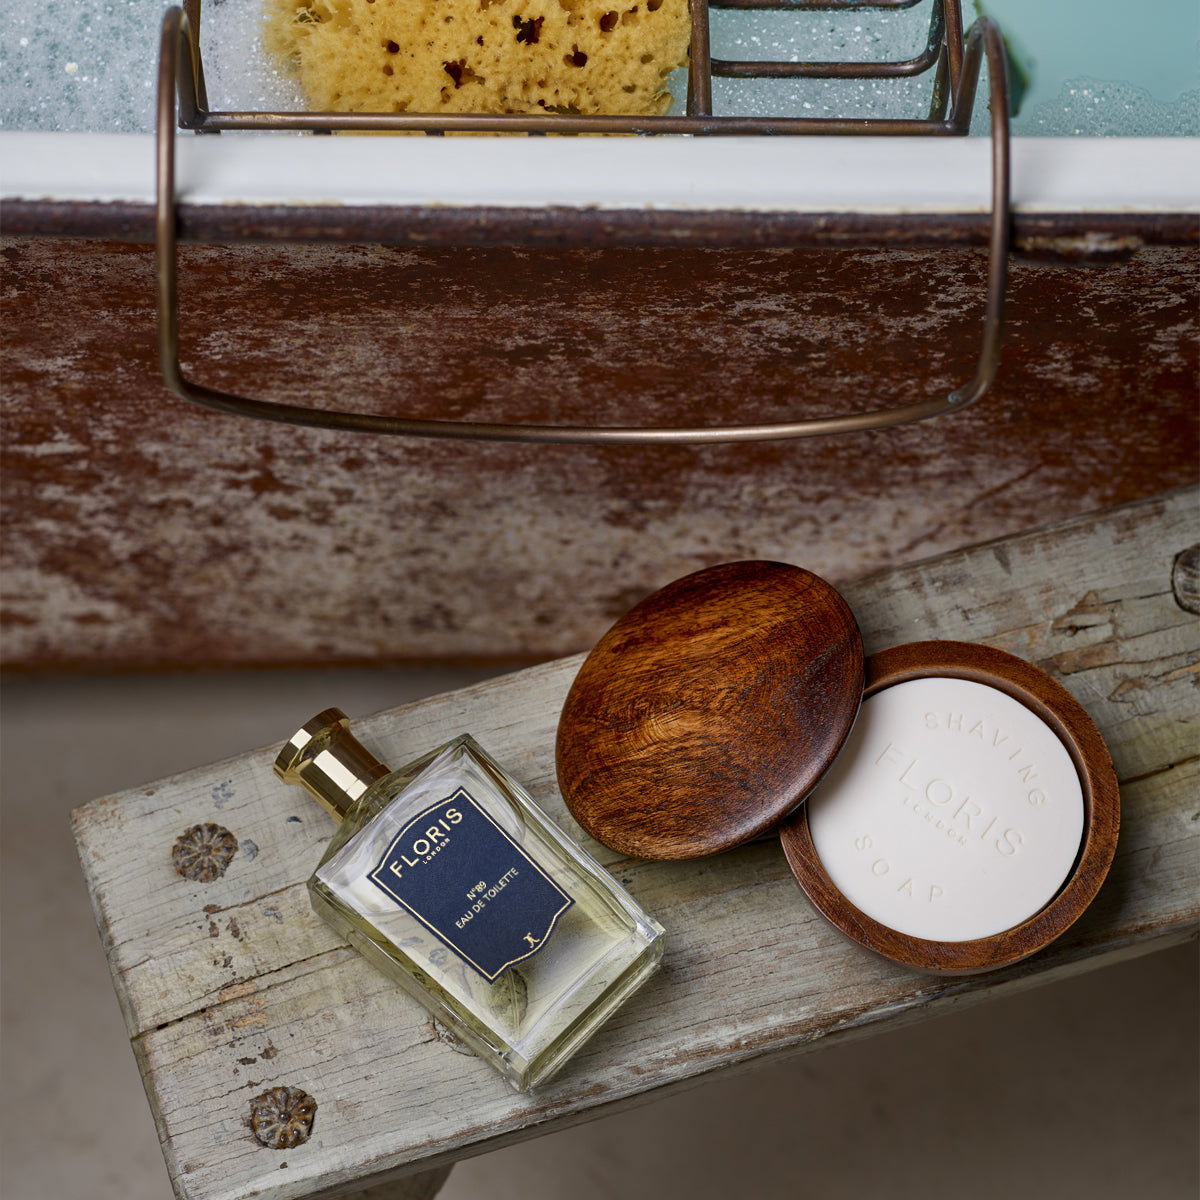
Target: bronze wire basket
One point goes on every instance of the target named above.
(956, 64)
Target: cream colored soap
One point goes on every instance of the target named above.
(952, 813)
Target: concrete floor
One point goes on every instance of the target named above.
(1087, 1087)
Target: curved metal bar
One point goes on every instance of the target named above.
(819, 5)
(733, 68)
(984, 38)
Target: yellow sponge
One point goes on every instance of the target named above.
(482, 56)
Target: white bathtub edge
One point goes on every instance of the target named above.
(796, 174)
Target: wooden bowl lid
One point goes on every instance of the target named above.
(710, 710)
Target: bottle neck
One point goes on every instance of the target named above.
(329, 762)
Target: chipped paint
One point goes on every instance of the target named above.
(140, 532)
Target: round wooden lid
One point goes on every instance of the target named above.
(710, 710)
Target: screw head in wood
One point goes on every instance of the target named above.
(203, 852)
(282, 1117)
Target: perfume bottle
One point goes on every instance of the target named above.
(448, 877)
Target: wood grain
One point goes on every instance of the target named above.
(232, 987)
(709, 710)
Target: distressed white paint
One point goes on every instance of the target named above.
(233, 987)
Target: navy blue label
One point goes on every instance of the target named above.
(471, 885)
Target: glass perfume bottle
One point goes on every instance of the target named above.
(448, 877)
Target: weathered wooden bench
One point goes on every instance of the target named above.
(233, 987)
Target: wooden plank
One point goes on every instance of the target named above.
(142, 532)
(232, 987)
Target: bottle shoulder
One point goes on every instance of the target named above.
(428, 780)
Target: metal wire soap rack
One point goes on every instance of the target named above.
(953, 61)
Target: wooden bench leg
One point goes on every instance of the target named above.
(424, 1185)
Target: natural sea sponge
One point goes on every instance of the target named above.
(481, 56)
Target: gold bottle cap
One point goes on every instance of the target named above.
(329, 762)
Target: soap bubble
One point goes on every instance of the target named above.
(1110, 108)
(78, 67)
(92, 65)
